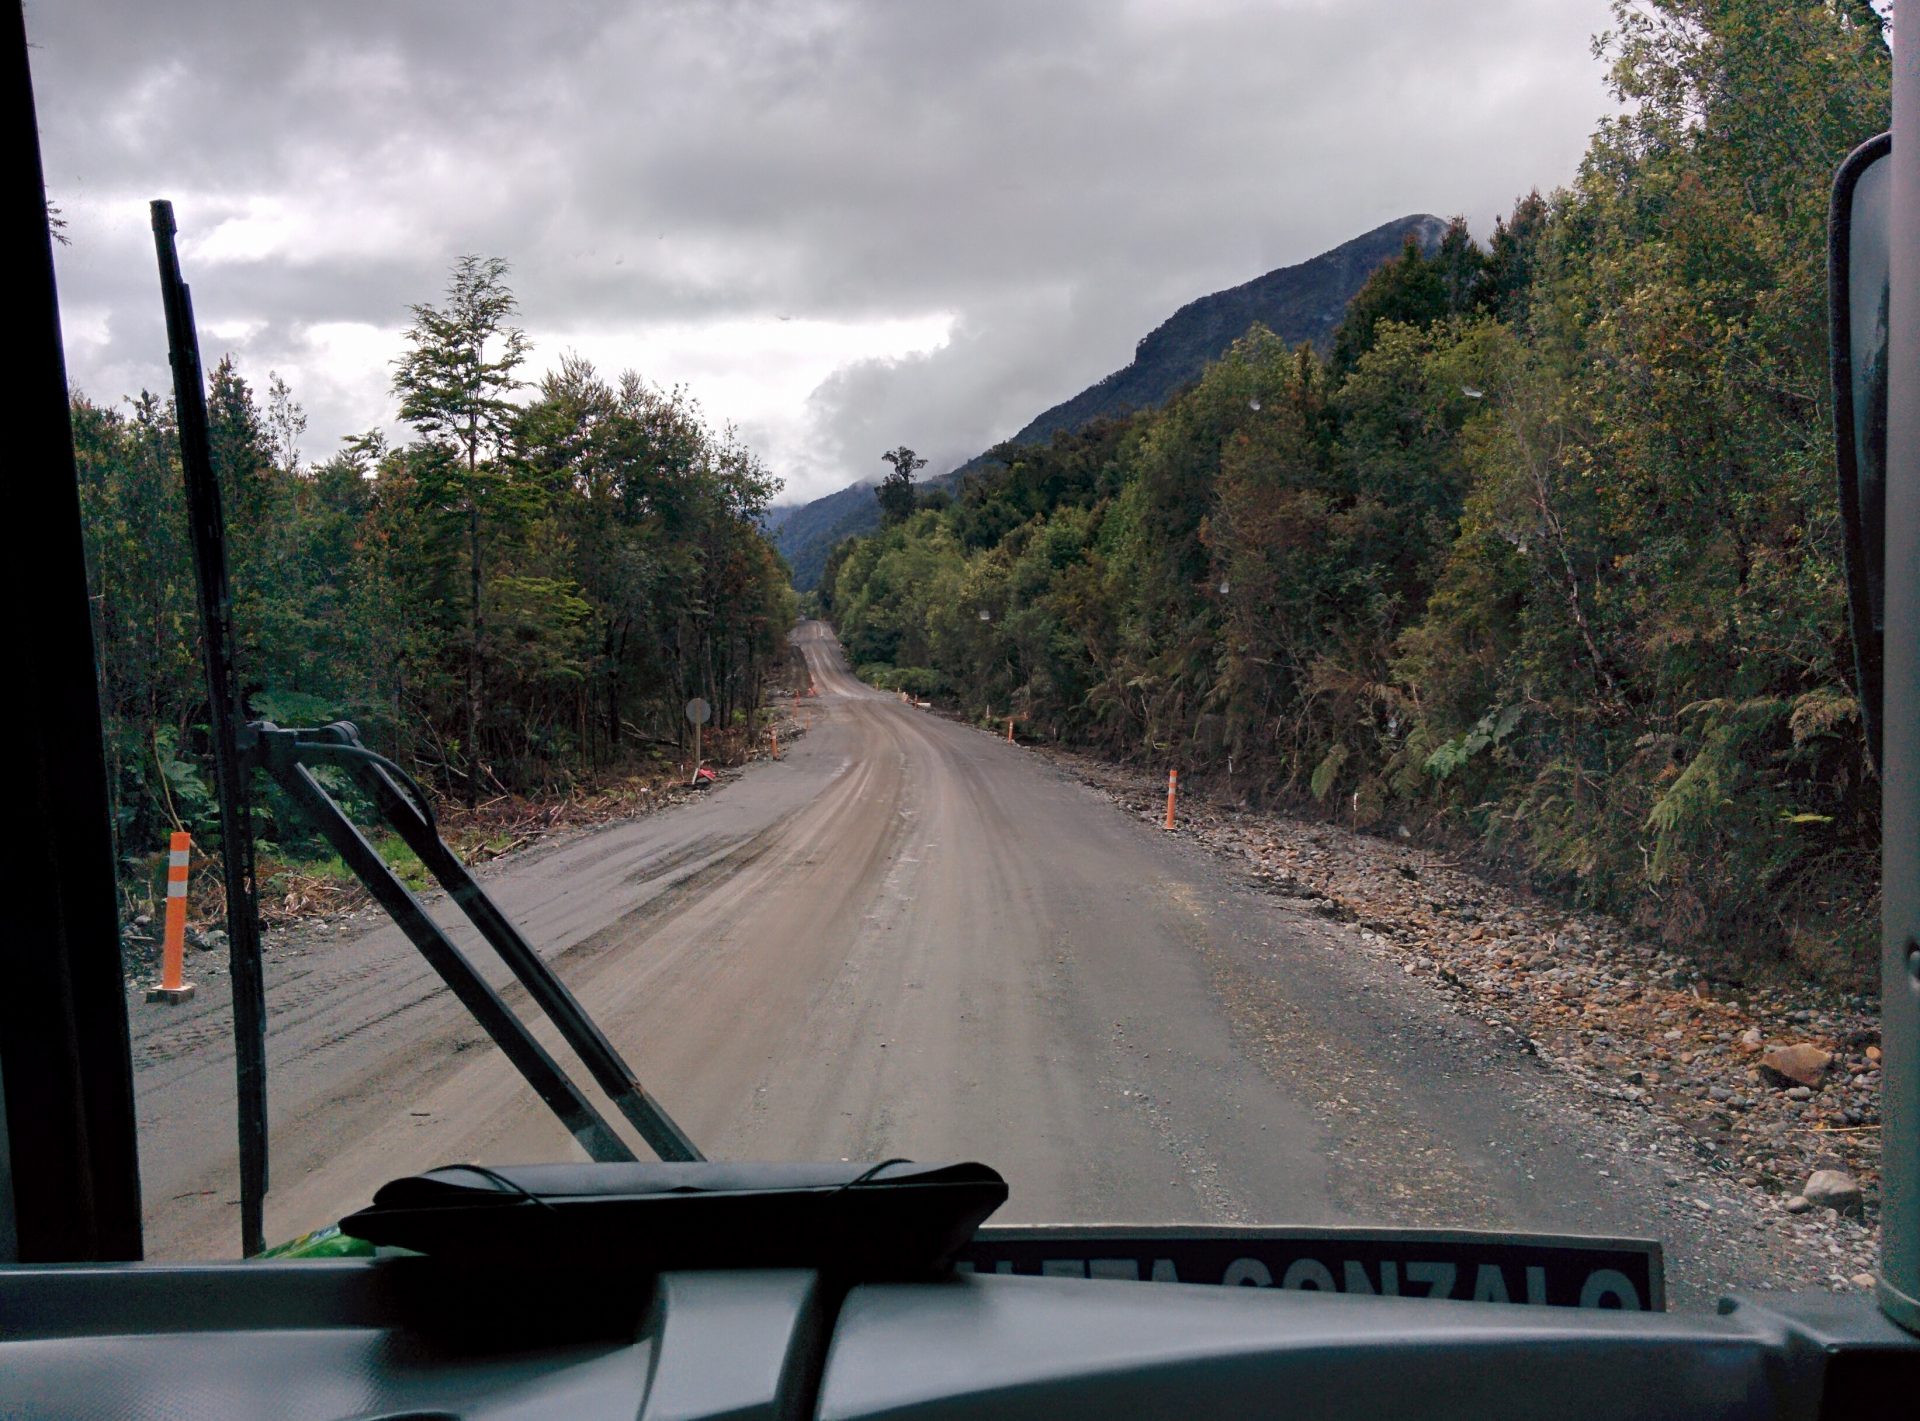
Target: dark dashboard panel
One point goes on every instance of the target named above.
(425, 1338)
(1044, 1348)
(403, 1338)
(330, 1372)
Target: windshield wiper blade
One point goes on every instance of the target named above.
(230, 770)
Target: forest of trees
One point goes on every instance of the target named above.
(1544, 554)
(519, 599)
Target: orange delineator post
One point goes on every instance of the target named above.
(171, 987)
(1009, 730)
(1173, 783)
(774, 731)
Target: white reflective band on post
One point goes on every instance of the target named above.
(177, 858)
(177, 889)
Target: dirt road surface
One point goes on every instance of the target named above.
(909, 938)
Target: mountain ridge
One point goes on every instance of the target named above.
(1299, 303)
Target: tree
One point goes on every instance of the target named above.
(1862, 15)
(453, 386)
(238, 444)
(1458, 262)
(1506, 277)
(516, 594)
(1413, 289)
(896, 489)
(285, 421)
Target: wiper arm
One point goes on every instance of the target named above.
(287, 755)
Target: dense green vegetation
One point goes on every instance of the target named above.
(520, 598)
(1545, 553)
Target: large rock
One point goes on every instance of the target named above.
(1795, 1065)
(1835, 1189)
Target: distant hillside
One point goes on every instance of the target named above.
(805, 533)
(1297, 303)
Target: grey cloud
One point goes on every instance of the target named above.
(1057, 176)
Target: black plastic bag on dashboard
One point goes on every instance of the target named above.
(894, 1219)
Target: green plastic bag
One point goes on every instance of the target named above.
(321, 1243)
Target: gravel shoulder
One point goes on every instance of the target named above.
(1714, 1149)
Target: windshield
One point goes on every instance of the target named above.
(1236, 610)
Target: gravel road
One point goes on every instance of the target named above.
(908, 938)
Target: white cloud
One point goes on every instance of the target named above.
(758, 371)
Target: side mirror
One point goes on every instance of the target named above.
(1858, 273)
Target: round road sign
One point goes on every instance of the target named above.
(698, 711)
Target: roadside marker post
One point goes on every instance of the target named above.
(774, 731)
(171, 987)
(1173, 785)
(1009, 730)
(698, 714)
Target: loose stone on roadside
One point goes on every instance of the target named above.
(1802, 1064)
(1835, 1189)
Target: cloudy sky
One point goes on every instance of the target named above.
(843, 224)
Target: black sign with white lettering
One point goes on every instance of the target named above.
(1552, 1271)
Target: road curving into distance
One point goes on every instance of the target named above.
(909, 938)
